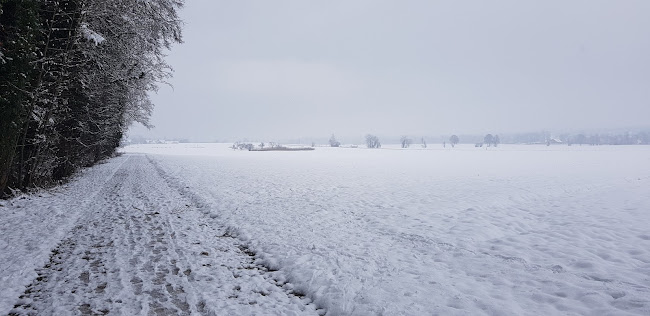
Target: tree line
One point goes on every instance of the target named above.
(372, 141)
(641, 138)
(490, 140)
(74, 74)
(622, 138)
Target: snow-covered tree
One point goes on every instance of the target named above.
(333, 142)
(74, 74)
(372, 141)
(406, 142)
(453, 140)
(488, 139)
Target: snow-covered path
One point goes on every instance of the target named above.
(132, 242)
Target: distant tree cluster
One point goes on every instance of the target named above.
(73, 76)
(627, 138)
(261, 146)
(490, 140)
(334, 142)
(372, 141)
(641, 138)
(494, 140)
(406, 142)
(245, 146)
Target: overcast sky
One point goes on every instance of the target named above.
(278, 69)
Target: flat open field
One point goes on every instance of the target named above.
(510, 230)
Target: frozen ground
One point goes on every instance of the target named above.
(126, 240)
(514, 230)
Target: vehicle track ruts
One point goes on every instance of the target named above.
(146, 247)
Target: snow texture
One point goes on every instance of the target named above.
(91, 35)
(126, 241)
(512, 230)
(201, 229)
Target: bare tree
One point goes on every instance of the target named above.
(453, 140)
(372, 141)
(406, 142)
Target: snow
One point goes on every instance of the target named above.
(91, 35)
(31, 226)
(126, 240)
(507, 230)
(512, 230)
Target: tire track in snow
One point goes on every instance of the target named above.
(147, 247)
(41, 223)
(250, 274)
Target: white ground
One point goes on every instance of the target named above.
(514, 230)
(126, 240)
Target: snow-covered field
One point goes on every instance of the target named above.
(513, 230)
(519, 230)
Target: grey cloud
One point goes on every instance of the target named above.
(298, 68)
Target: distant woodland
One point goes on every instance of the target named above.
(609, 138)
(74, 74)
